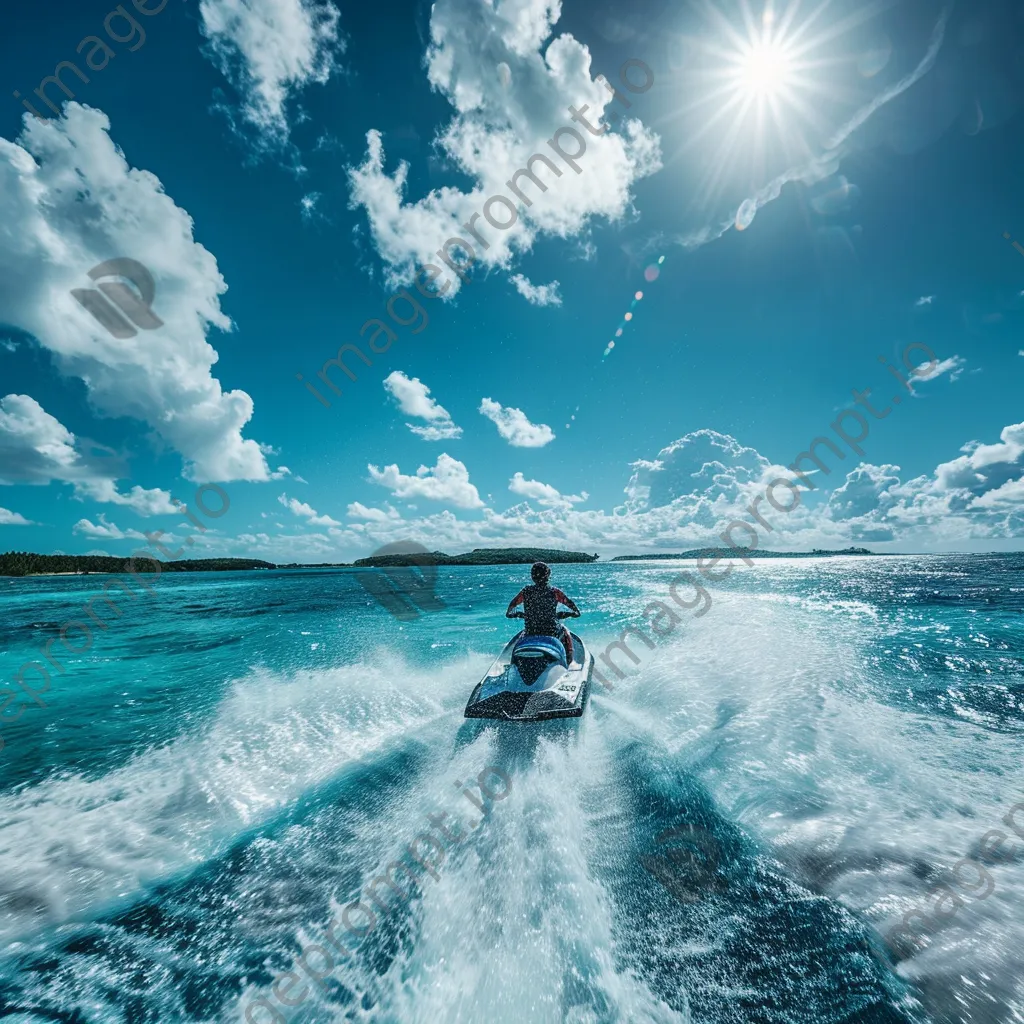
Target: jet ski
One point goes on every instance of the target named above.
(531, 682)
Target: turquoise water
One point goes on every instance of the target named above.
(238, 754)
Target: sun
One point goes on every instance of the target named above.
(764, 81)
(764, 70)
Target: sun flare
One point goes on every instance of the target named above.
(765, 70)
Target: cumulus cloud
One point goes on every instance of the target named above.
(448, 482)
(9, 518)
(413, 398)
(494, 131)
(980, 494)
(301, 509)
(36, 448)
(865, 491)
(544, 494)
(703, 465)
(68, 199)
(706, 480)
(105, 530)
(925, 300)
(357, 510)
(515, 427)
(269, 50)
(537, 294)
(697, 485)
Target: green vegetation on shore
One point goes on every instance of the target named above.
(481, 556)
(25, 563)
(727, 552)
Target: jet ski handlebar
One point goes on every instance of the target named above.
(558, 615)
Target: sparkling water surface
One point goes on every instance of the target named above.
(238, 754)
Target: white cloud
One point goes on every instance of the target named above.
(686, 496)
(413, 397)
(68, 200)
(954, 366)
(105, 530)
(9, 518)
(703, 465)
(36, 448)
(304, 511)
(308, 204)
(925, 300)
(1010, 493)
(448, 481)
(269, 50)
(537, 294)
(495, 129)
(437, 432)
(977, 495)
(543, 493)
(357, 510)
(152, 501)
(515, 427)
(703, 482)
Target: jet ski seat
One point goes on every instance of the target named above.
(549, 647)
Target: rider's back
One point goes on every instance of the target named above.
(540, 604)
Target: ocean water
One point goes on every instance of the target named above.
(238, 755)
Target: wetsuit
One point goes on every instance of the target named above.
(540, 603)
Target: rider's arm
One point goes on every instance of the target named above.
(515, 602)
(568, 603)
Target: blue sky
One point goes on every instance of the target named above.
(815, 186)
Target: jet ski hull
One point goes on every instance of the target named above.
(556, 691)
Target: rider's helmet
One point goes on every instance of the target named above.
(540, 572)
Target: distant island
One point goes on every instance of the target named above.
(727, 552)
(480, 556)
(24, 563)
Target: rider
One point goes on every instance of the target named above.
(540, 604)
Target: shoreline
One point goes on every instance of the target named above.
(442, 560)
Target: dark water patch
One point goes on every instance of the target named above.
(209, 645)
(736, 939)
(185, 950)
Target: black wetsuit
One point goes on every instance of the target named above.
(540, 605)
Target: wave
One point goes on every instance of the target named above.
(74, 846)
